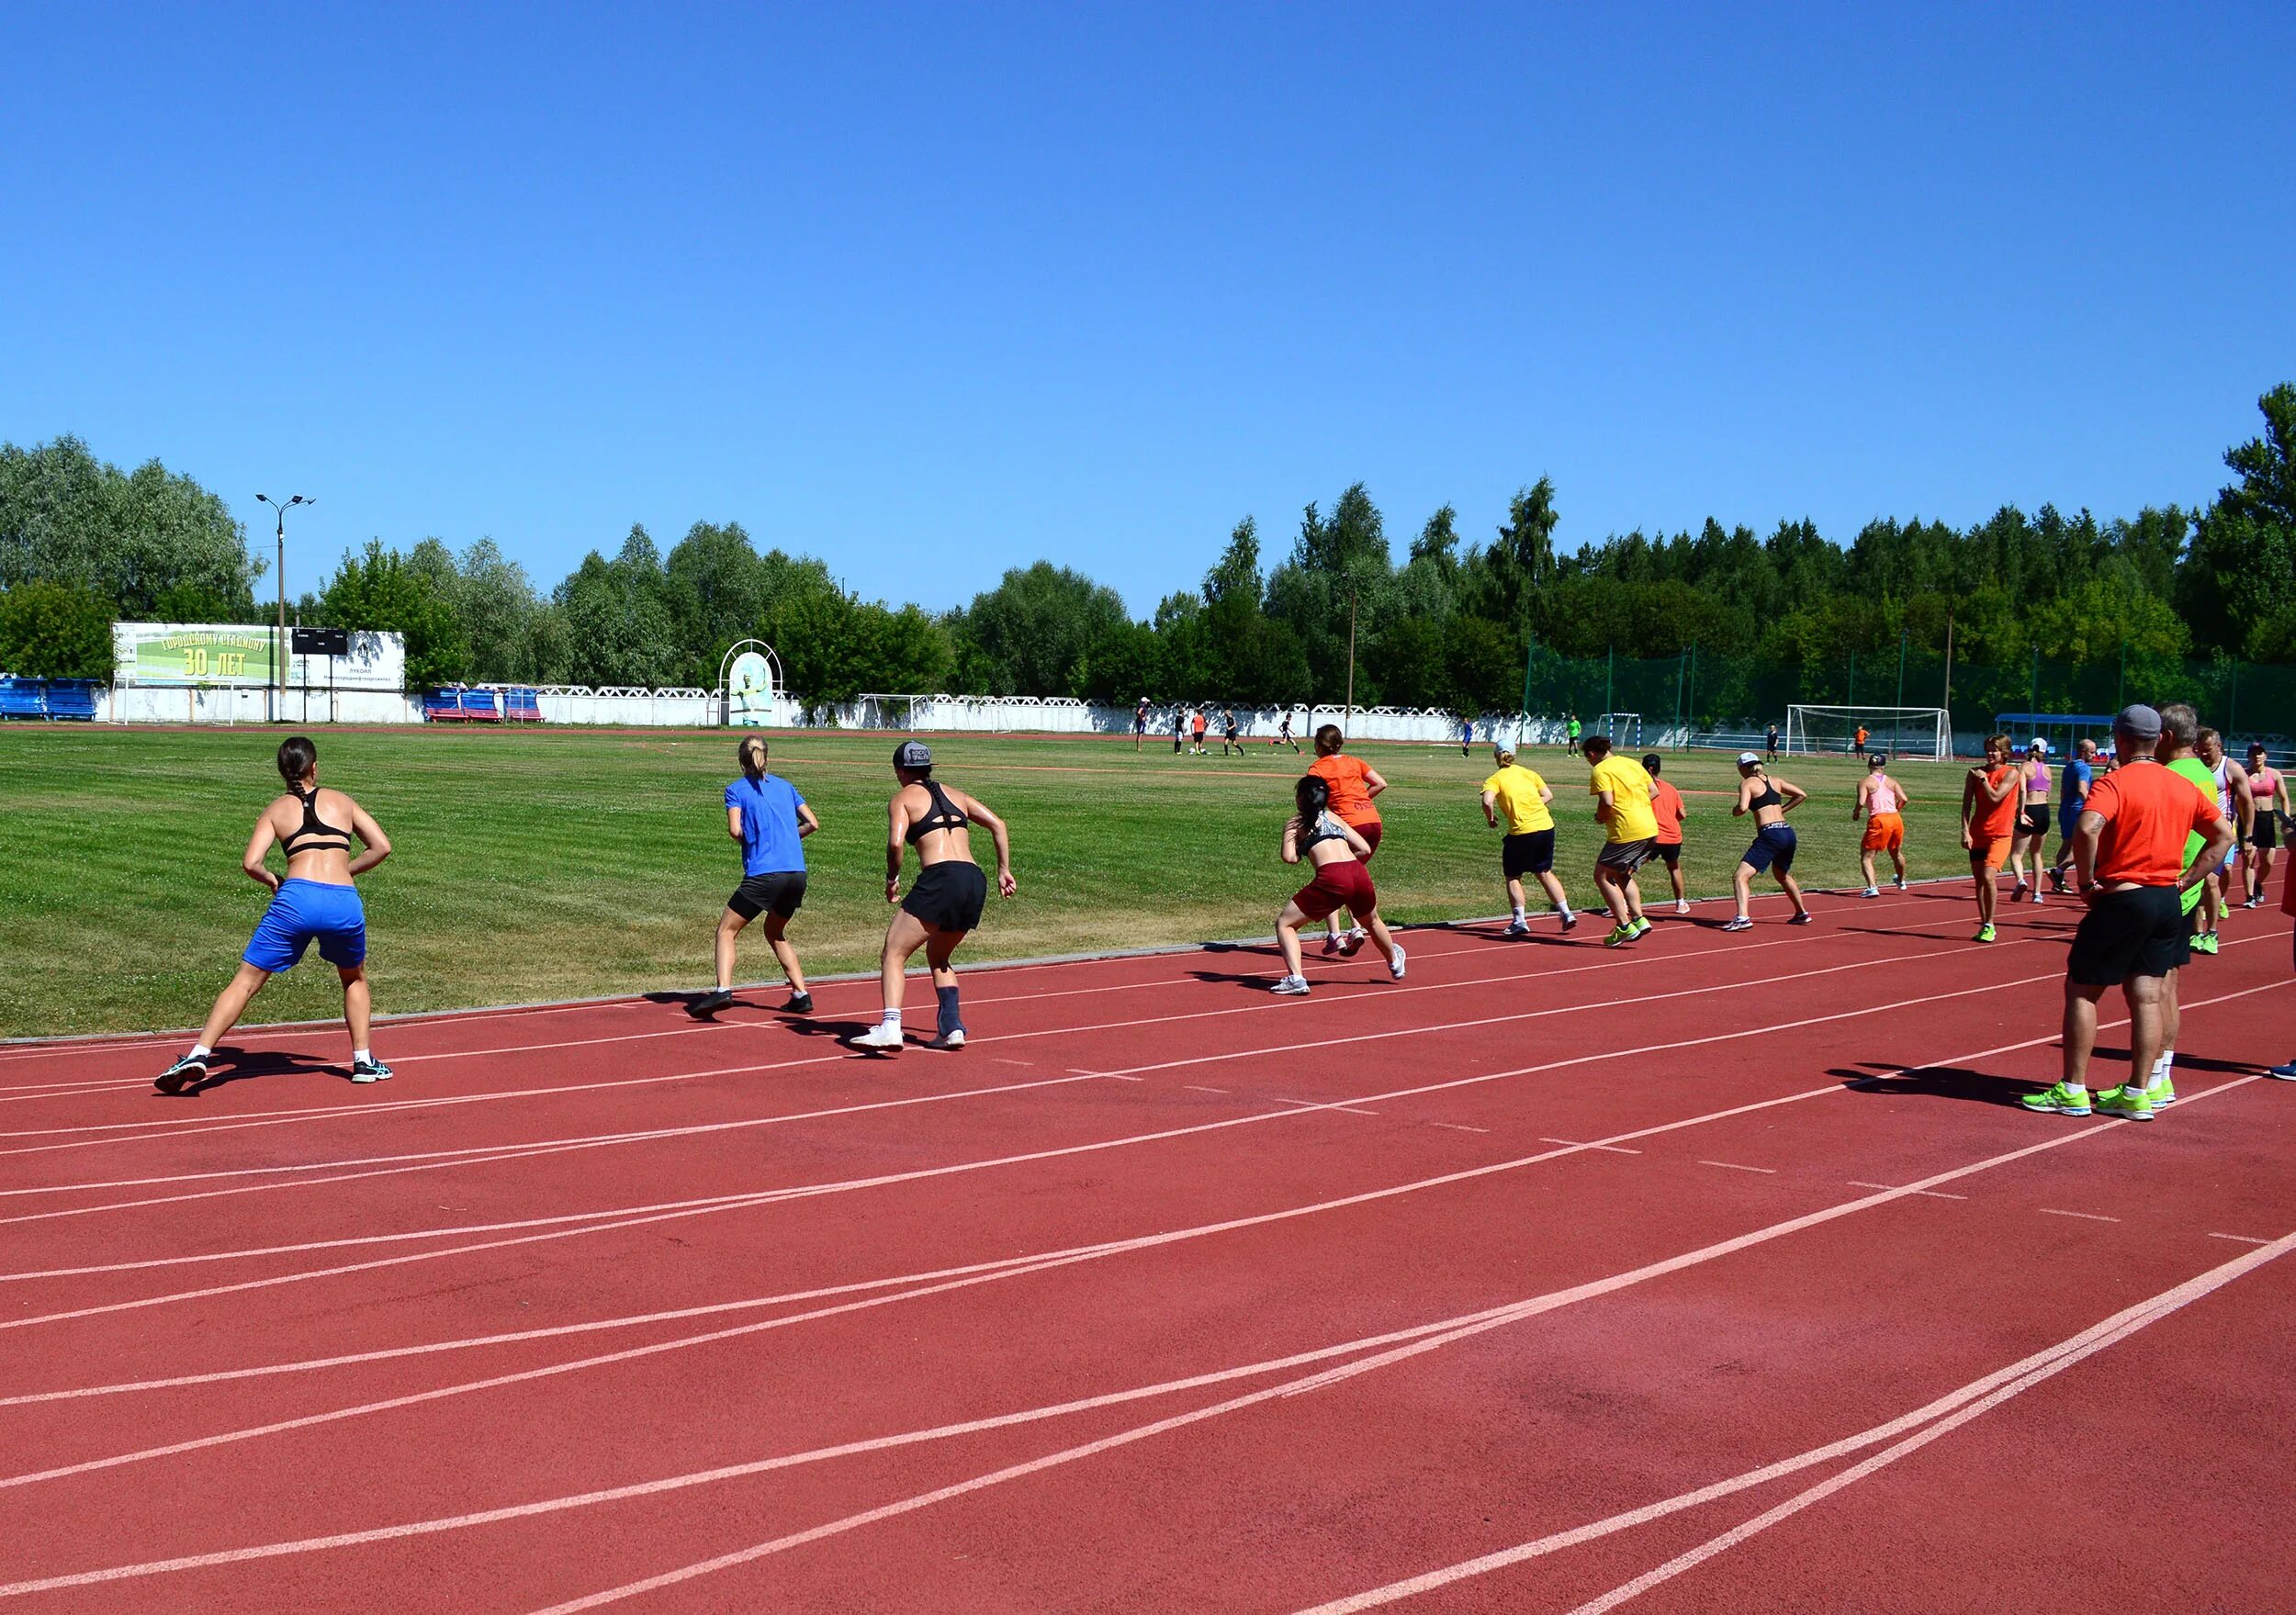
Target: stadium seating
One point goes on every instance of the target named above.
(49, 698)
(521, 706)
(462, 706)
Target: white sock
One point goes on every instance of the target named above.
(1518, 913)
(359, 1054)
(2164, 1065)
(893, 1017)
(199, 1051)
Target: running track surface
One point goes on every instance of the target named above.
(1718, 1273)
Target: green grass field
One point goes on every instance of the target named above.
(546, 864)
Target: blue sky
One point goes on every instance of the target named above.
(935, 292)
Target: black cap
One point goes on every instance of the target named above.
(912, 753)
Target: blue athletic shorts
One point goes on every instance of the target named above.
(2069, 818)
(1773, 849)
(304, 911)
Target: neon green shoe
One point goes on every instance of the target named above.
(2161, 1092)
(2129, 1104)
(2204, 943)
(1985, 934)
(1620, 936)
(2063, 1099)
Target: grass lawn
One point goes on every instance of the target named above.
(541, 864)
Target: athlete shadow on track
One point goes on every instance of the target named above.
(2045, 932)
(1936, 1082)
(236, 1066)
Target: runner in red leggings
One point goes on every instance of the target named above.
(1318, 837)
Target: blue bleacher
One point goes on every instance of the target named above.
(49, 698)
(466, 706)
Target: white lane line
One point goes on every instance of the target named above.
(1942, 1416)
(1612, 1147)
(706, 1126)
(1733, 1166)
(1110, 1076)
(2241, 1239)
(1317, 1104)
(2084, 1215)
(1932, 1194)
(1200, 1088)
(1463, 1127)
(1383, 991)
(630, 1216)
(1387, 1349)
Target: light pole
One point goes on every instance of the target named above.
(279, 652)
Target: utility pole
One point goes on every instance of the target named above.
(1948, 702)
(280, 654)
(1351, 658)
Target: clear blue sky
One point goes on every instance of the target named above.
(935, 292)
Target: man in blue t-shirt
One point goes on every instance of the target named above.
(2073, 782)
(768, 819)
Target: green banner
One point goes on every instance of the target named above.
(167, 653)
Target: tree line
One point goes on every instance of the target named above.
(1449, 623)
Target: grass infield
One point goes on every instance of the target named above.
(542, 864)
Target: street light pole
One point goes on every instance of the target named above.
(279, 652)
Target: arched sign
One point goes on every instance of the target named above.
(751, 676)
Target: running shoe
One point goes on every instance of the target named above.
(709, 1004)
(1800, 917)
(2063, 1099)
(2129, 1104)
(1291, 987)
(953, 1039)
(2204, 943)
(1395, 966)
(1683, 906)
(2287, 1074)
(369, 1070)
(2020, 892)
(799, 1004)
(1985, 934)
(1570, 920)
(2056, 882)
(1871, 891)
(1620, 936)
(182, 1074)
(1517, 928)
(1331, 943)
(1739, 922)
(1642, 925)
(2161, 1091)
(1898, 882)
(1350, 944)
(884, 1037)
(2256, 902)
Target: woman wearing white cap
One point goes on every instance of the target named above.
(2032, 833)
(1768, 800)
(945, 900)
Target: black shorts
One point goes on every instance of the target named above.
(1672, 851)
(2140, 932)
(1531, 853)
(2265, 832)
(2034, 820)
(783, 891)
(1773, 849)
(947, 896)
(1626, 857)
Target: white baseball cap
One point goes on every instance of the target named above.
(1747, 756)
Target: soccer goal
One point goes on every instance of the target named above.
(1897, 732)
(873, 709)
(1620, 728)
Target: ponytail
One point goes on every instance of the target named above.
(741, 755)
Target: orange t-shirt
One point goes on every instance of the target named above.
(1996, 820)
(1351, 798)
(1666, 807)
(2148, 811)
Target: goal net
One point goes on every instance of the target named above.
(877, 710)
(1620, 728)
(1896, 732)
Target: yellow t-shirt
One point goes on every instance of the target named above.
(1630, 786)
(1517, 790)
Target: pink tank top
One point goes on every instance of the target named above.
(2039, 784)
(2263, 784)
(1883, 798)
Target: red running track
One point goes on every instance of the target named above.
(1720, 1273)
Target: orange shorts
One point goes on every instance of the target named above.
(1994, 851)
(1883, 832)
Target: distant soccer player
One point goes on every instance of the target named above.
(314, 902)
(1988, 815)
(943, 905)
(2129, 864)
(769, 820)
(1861, 736)
(1230, 737)
(1179, 730)
(1196, 726)
(1139, 725)
(1352, 783)
(1630, 836)
(1666, 807)
(1570, 731)
(2080, 774)
(1283, 733)
(1770, 738)
(1467, 736)
(1317, 835)
(2030, 833)
(1768, 800)
(1881, 803)
(2269, 805)
(1517, 796)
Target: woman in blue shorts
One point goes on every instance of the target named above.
(1768, 800)
(767, 820)
(315, 902)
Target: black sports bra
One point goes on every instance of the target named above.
(1768, 798)
(1326, 828)
(945, 814)
(314, 835)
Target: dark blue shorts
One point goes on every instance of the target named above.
(1773, 849)
(304, 911)
(2069, 818)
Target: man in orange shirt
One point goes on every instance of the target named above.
(2129, 864)
(1988, 819)
(1353, 783)
(1666, 807)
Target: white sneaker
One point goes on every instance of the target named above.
(951, 1039)
(1395, 964)
(1683, 906)
(1291, 987)
(1517, 928)
(1739, 922)
(1898, 882)
(1871, 891)
(884, 1036)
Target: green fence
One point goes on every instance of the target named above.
(1709, 692)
